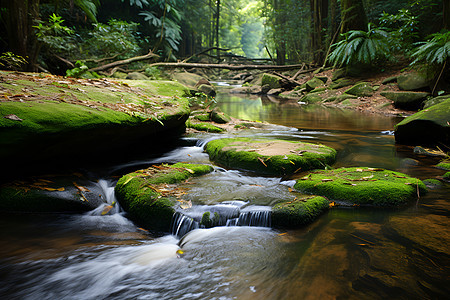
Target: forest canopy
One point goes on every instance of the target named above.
(74, 35)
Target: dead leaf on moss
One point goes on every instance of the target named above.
(13, 117)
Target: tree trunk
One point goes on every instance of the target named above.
(217, 30)
(353, 16)
(446, 14)
(319, 10)
(18, 17)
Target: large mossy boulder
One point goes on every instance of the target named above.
(427, 127)
(50, 194)
(273, 81)
(412, 81)
(266, 156)
(73, 121)
(406, 100)
(362, 89)
(207, 89)
(299, 212)
(362, 186)
(433, 101)
(186, 78)
(145, 197)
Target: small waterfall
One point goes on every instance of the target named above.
(110, 207)
(225, 214)
(262, 218)
(182, 224)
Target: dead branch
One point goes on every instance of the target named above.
(101, 59)
(289, 80)
(149, 55)
(298, 73)
(204, 51)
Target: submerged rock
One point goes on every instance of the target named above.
(144, 196)
(427, 127)
(277, 157)
(367, 186)
(299, 212)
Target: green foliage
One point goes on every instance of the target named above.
(89, 7)
(435, 52)
(11, 61)
(153, 73)
(116, 37)
(360, 47)
(403, 28)
(54, 35)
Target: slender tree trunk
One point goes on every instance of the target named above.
(217, 29)
(446, 14)
(353, 15)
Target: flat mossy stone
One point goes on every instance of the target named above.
(186, 78)
(362, 89)
(412, 81)
(139, 193)
(362, 186)
(313, 83)
(338, 74)
(318, 90)
(340, 83)
(202, 126)
(433, 101)
(60, 116)
(266, 156)
(299, 212)
(273, 81)
(204, 117)
(433, 183)
(406, 100)
(427, 127)
(389, 80)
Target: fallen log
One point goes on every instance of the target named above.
(123, 62)
(288, 80)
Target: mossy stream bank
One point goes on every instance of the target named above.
(49, 122)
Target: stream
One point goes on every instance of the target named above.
(347, 253)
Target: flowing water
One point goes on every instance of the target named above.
(348, 253)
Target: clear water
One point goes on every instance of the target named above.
(348, 253)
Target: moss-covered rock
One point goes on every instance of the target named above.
(406, 100)
(364, 186)
(202, 126)
(276, 157)
(428, 127)
(313, 83)
(136, 76)
(447, 176)
(311, 98)
(342, 82)
(433, 183)
(71, 120)
(433, 101)
(444, 165)
(338, 74)
(219, 117)
(362, 89)
(412, 81)
(186, 78)
(299, 212)
(273, 81)
(207, 89)
(50, 194)
(140, 195)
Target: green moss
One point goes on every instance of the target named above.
(204, 127)
(311, 98)
(447, 176)
(219, 117)
(14, 199)
(299, 212)
(361, 89)
(445, 165)
(204, 117)
(138, 196)
(432, 183)
(362, 186)
(271, 80)
(313, 83)
(238, 153)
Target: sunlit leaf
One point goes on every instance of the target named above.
(107, 209)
